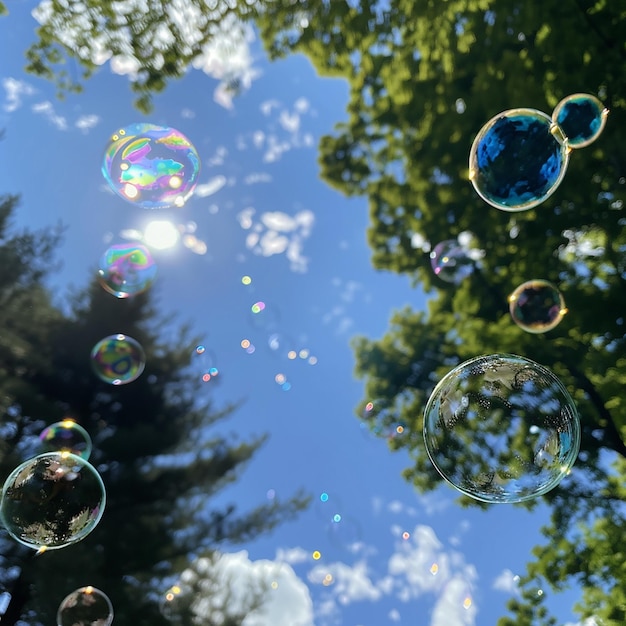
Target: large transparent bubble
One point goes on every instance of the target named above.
(518, 159)
(86, 606)
(52, 500)
(501, 428)
(155, 167)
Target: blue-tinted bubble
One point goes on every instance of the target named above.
(581, 117)
(154, 167)
(52, 500)
(501, 428)
(127, 269)
(66, 436)
(86, 606)
(518, 159)
(118, 359)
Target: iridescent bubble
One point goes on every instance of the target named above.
(450, 261)
(537, 306)
(501, 428)
(127, 269)
(152, 166)
(204, 363)
(518, 159)
(86, 606)
(175, 602)
(118, 359)
(66, 436)
(52, 500)
(581, 117)
(263, 316)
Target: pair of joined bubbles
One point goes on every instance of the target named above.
(520, 156)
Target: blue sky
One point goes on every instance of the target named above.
(261, 210)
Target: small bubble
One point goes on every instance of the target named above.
(317, 555)
(66, 436)
(313, 360)
(84, 607)
(434, 568)
(257, 307)
(405, 535)
(246, 280)
(467, 603)
(118, 359)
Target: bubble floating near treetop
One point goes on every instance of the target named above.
(66, 436)
(154, 167)
(520, 156)
(518, 159)
(501, 428)
(581, 118)
(126, 269)
(537, 306)
(86, 606)
(118, 359)
(52, 501)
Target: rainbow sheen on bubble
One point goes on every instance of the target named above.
(518, 159)
(154, 167)
(450, 261)
(66, 436)
(537, 306)
(118, 359)
(52, 501)
(86, 606)
(127, 269)
(581, 117)
(501, 428)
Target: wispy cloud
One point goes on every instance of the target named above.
(86, 122)
(14, 90)
(276, 232)
(46, 109)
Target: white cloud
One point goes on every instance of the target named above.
(267, 106)
(232, 583)
(506, 581)
(590, 621)
(394, 615)
(257, 177)
(14, 90)
(187, 114)
(210, 187)
(350, 583)
(47, 110)
(276, 232)
(86, 122)
(292, 555)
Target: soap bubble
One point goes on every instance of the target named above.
(52, 500)
(86, 606)
(450, 261)
(518, 159)
(66, 436)
(204, 363)
(343, 531)
(118, 359)
(537, 306)
(581, 117)
(126, 269)
(155, 167)
(501, 428)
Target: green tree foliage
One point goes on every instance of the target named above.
(156, 41)
(156, 443)
(424, 77)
